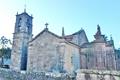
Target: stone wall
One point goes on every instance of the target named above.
(97, 75)
(43, 53)
(6, 74)
(98, 56)
(52, 53)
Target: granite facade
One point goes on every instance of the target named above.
(51, 53)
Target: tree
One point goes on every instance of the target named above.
(4, 42)
(5, 51)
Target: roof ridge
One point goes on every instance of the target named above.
(42, 33)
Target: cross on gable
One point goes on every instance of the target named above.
(46, 25)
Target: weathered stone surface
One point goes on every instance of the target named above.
(99, 54)
(52, 53)
(21, 36)
(14, 75)
(97, 75)
(6, 74)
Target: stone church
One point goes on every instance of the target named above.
(48, 52)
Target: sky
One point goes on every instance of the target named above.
(70, 14)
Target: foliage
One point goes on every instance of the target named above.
(5, 51)
(4, 42)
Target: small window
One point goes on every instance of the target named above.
(28, 21)
(19, 22)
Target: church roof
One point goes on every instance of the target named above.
(46, 30)
(70, 37)
(78, 32)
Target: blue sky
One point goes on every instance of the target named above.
(70, 14)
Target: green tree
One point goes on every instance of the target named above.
(5, 50)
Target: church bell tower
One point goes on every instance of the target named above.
(21, 36)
